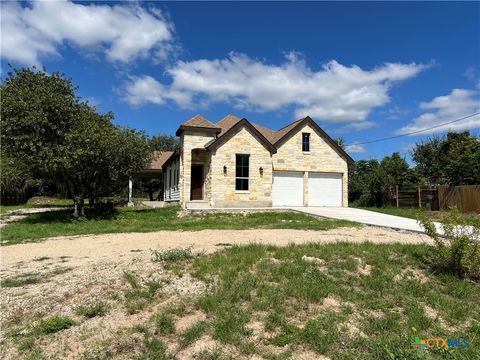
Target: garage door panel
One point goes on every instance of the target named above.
(324, 189)
(287, 189)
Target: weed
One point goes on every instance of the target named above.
(53, 324)
(172, 254)
(131, 279)
(192, 334)
(91, 311)
(164, 324)
(138, 297)
(458, 251)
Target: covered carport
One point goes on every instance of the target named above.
(151, 179)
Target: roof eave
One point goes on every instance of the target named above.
(197, 128)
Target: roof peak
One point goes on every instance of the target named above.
(199, 121)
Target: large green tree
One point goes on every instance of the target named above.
(452, 159)
(372, 182)
(60, 137)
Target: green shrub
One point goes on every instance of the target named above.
(458, 250)
(53, 324)
(172, 254)
(91, 311)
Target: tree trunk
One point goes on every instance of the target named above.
(78, 210)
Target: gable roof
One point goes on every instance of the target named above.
(198, 121)
(238, 124)
(270, 138)
(293, 127)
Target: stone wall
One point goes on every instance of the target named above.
(189, 141)
(223, 193)
(321, 158)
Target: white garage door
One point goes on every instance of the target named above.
(287, 189)
(324, 189)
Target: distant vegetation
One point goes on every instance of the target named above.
(453, 159)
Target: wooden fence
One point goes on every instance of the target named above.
(465, 197)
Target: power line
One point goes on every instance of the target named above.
(415, 132)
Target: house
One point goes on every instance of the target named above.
(235, 164)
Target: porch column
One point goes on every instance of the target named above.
(130, 190)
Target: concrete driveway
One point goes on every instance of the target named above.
(366, 217)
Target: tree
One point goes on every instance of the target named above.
(453, 159)
(340, 142)
(46, 124)
(371, 181)
(163, 142)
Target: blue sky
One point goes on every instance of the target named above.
(362, 70)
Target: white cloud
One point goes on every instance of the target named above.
(122, 32)
(459, 103)
(355, 148)
(473, 75)
(395, 113)
(334, 93)
(357, 126)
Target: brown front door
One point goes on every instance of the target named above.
(196, 192)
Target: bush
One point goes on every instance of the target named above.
(172, 254)
(53, 324)
(458, 250)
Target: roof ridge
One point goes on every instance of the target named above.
(296, 121)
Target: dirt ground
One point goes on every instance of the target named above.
(86, 269)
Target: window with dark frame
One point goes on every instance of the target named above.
(242, 165)
(305, 142)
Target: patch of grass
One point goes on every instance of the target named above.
(53, 324)
(139, 295)
(417, 214)
(155, 349)
(20, 280)
(42, 258)
(31, 278)
(37, 202)
(93, 310)
(26, 344)
(56, 223)
(164, 324)
(172, 254)
(333, 309)
(192, 334)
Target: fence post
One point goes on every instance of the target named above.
(419, 197)
(396, 190)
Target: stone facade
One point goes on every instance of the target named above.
(223, 193)
(322, 157)
(190, 141)
(219, 188)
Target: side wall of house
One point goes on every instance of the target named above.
(223, 193)
(190, 140)
(321, 158)
(171, 188)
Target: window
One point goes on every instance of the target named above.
(242, 163)
(306, 142)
